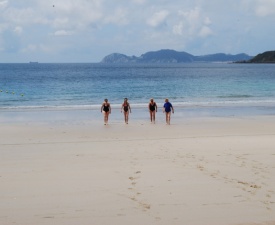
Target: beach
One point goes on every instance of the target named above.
(200, 170)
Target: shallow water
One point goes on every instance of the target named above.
(84, 86)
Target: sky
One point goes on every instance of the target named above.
(87, 30)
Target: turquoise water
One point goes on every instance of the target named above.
(31, 86)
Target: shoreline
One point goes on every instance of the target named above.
(139, 105)
(139, 113)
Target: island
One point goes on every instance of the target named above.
(172, 56)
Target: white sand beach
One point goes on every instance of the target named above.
(197, 171)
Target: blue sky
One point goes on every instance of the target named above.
(88, 30)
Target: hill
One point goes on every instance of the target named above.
(266, 57)
(172, 56)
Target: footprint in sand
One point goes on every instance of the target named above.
(132, 179)
(135, 196)
(145, 205)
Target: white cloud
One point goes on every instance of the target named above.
(18, 30)
(158, 18)
(98, 27)
(62, 33)
(119, 17)
(193, 21)
(59, 22)
(3, 4)
(139, 1)
(63, 14)
(192, 16)
(205, 32)
(178, 29)
(24, 16)
(193, 24)
(265, 8)
(207, 21)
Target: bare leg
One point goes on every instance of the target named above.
(154, 116)
(151, 116)
(168, 118)
(126, 117)
(106, 117)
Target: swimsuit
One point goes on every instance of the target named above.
(106, 108)
(125, 107)
(152, 107)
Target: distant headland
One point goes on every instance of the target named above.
(265, 57)
(172, 56)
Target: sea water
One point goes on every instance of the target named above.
(85, 86)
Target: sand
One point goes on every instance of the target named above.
(197, 171)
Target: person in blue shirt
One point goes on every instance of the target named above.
(167, 108)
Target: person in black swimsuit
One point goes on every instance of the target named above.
(126, 109)
(153, 108)
(106, 108)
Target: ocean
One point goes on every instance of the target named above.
(85, 86)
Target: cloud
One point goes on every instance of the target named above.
(61, 22)
(63, 14)
(207, 21)
(3, 27)
(31, 48)
(265, 8)
(193, 23)
(100, 27)
(77, 14)
(23, 16)
(139, 1)
(158, 18)
(192, 16)
(3, 4)
(62, 33)
(118, 17)
(18, 30)
(178, 29)
(205, 32)
(192, 20)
